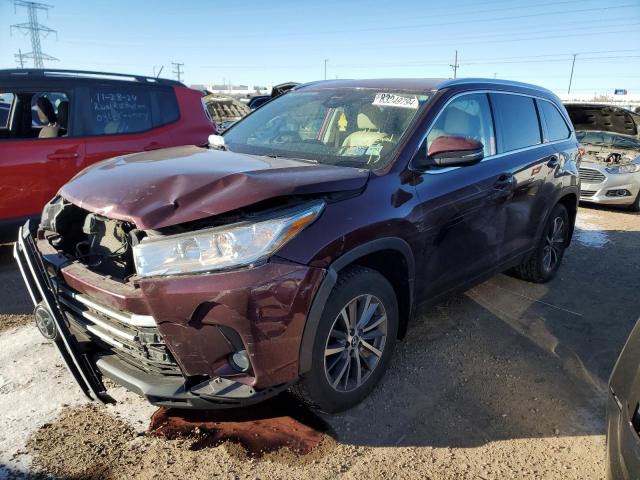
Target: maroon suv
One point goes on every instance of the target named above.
(293, 252)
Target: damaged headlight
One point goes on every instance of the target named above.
(220, 248)
(629, 168)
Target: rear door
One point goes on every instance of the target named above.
(121, 118)
(528, 162)
(32, 169)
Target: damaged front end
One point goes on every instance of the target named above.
(610, 175)
(181, 339)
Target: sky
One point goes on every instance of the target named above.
(265, 43)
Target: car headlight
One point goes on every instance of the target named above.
(220, 248)
(629, 168)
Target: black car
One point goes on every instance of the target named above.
(623, 412)
(276, 91)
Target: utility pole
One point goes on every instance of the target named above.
(573, 64)
(325, 68)
(35, 30)
(177, 70)
(19, 58)
(455, 65)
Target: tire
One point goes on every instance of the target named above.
(343, 352)
(537, 268)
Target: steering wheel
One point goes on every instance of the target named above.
(286, 137)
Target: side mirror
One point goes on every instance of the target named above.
(454, 151)
(217, 142)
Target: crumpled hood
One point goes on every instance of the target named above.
(176, 185)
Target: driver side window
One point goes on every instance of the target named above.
(466, 116)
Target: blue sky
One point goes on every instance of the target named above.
(270, 42)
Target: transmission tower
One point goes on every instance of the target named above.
(19, 58)
(35, 30)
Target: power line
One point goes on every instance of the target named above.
(177, 70)
(474, 21)
(35, 29)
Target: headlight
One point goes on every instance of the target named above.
(629, 168)
(221, 247)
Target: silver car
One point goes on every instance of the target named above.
(610, 169)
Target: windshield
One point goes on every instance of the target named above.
(338, 126)
(607, 139)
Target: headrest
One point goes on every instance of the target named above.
(365, 123)
(47, 110)
(459, 122)
(63, 114)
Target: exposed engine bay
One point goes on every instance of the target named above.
(105, 245)
(609, 156)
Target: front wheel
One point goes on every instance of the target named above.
(354, 341)
(544, 262)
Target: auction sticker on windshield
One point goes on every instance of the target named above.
(392, 100)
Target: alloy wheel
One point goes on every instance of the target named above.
(356, 342)
(553, 244)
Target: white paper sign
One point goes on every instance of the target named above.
(393, 100)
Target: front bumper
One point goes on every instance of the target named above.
(596, 182)
(171, 363)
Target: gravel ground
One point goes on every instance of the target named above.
(505, 381)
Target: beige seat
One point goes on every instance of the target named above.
(47, 114)
(456, 122)
(367, 134)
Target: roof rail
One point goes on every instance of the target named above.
(53, 72)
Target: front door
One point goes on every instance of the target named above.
(462, 211)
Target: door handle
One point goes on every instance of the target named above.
(553, 162)
(62, 156)
(504, 182)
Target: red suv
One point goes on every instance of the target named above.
(54, 123)
(294, 251)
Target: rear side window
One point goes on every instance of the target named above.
(516, 121)
(556, 126)
(119, 110)
(165, 107)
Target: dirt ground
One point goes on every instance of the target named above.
(505, 381)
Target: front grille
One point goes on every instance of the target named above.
(590, 175)
(133, 338)
(587, 193)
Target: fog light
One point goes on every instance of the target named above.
(240, 361)
(618, 193)
(44, 321)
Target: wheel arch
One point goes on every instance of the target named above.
(390, 256)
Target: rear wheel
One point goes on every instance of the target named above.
(545, 261)
(354, 341)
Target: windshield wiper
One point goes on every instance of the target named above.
(308, 160)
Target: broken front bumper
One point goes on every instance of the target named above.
(89, 368)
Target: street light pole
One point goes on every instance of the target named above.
(325, 68)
